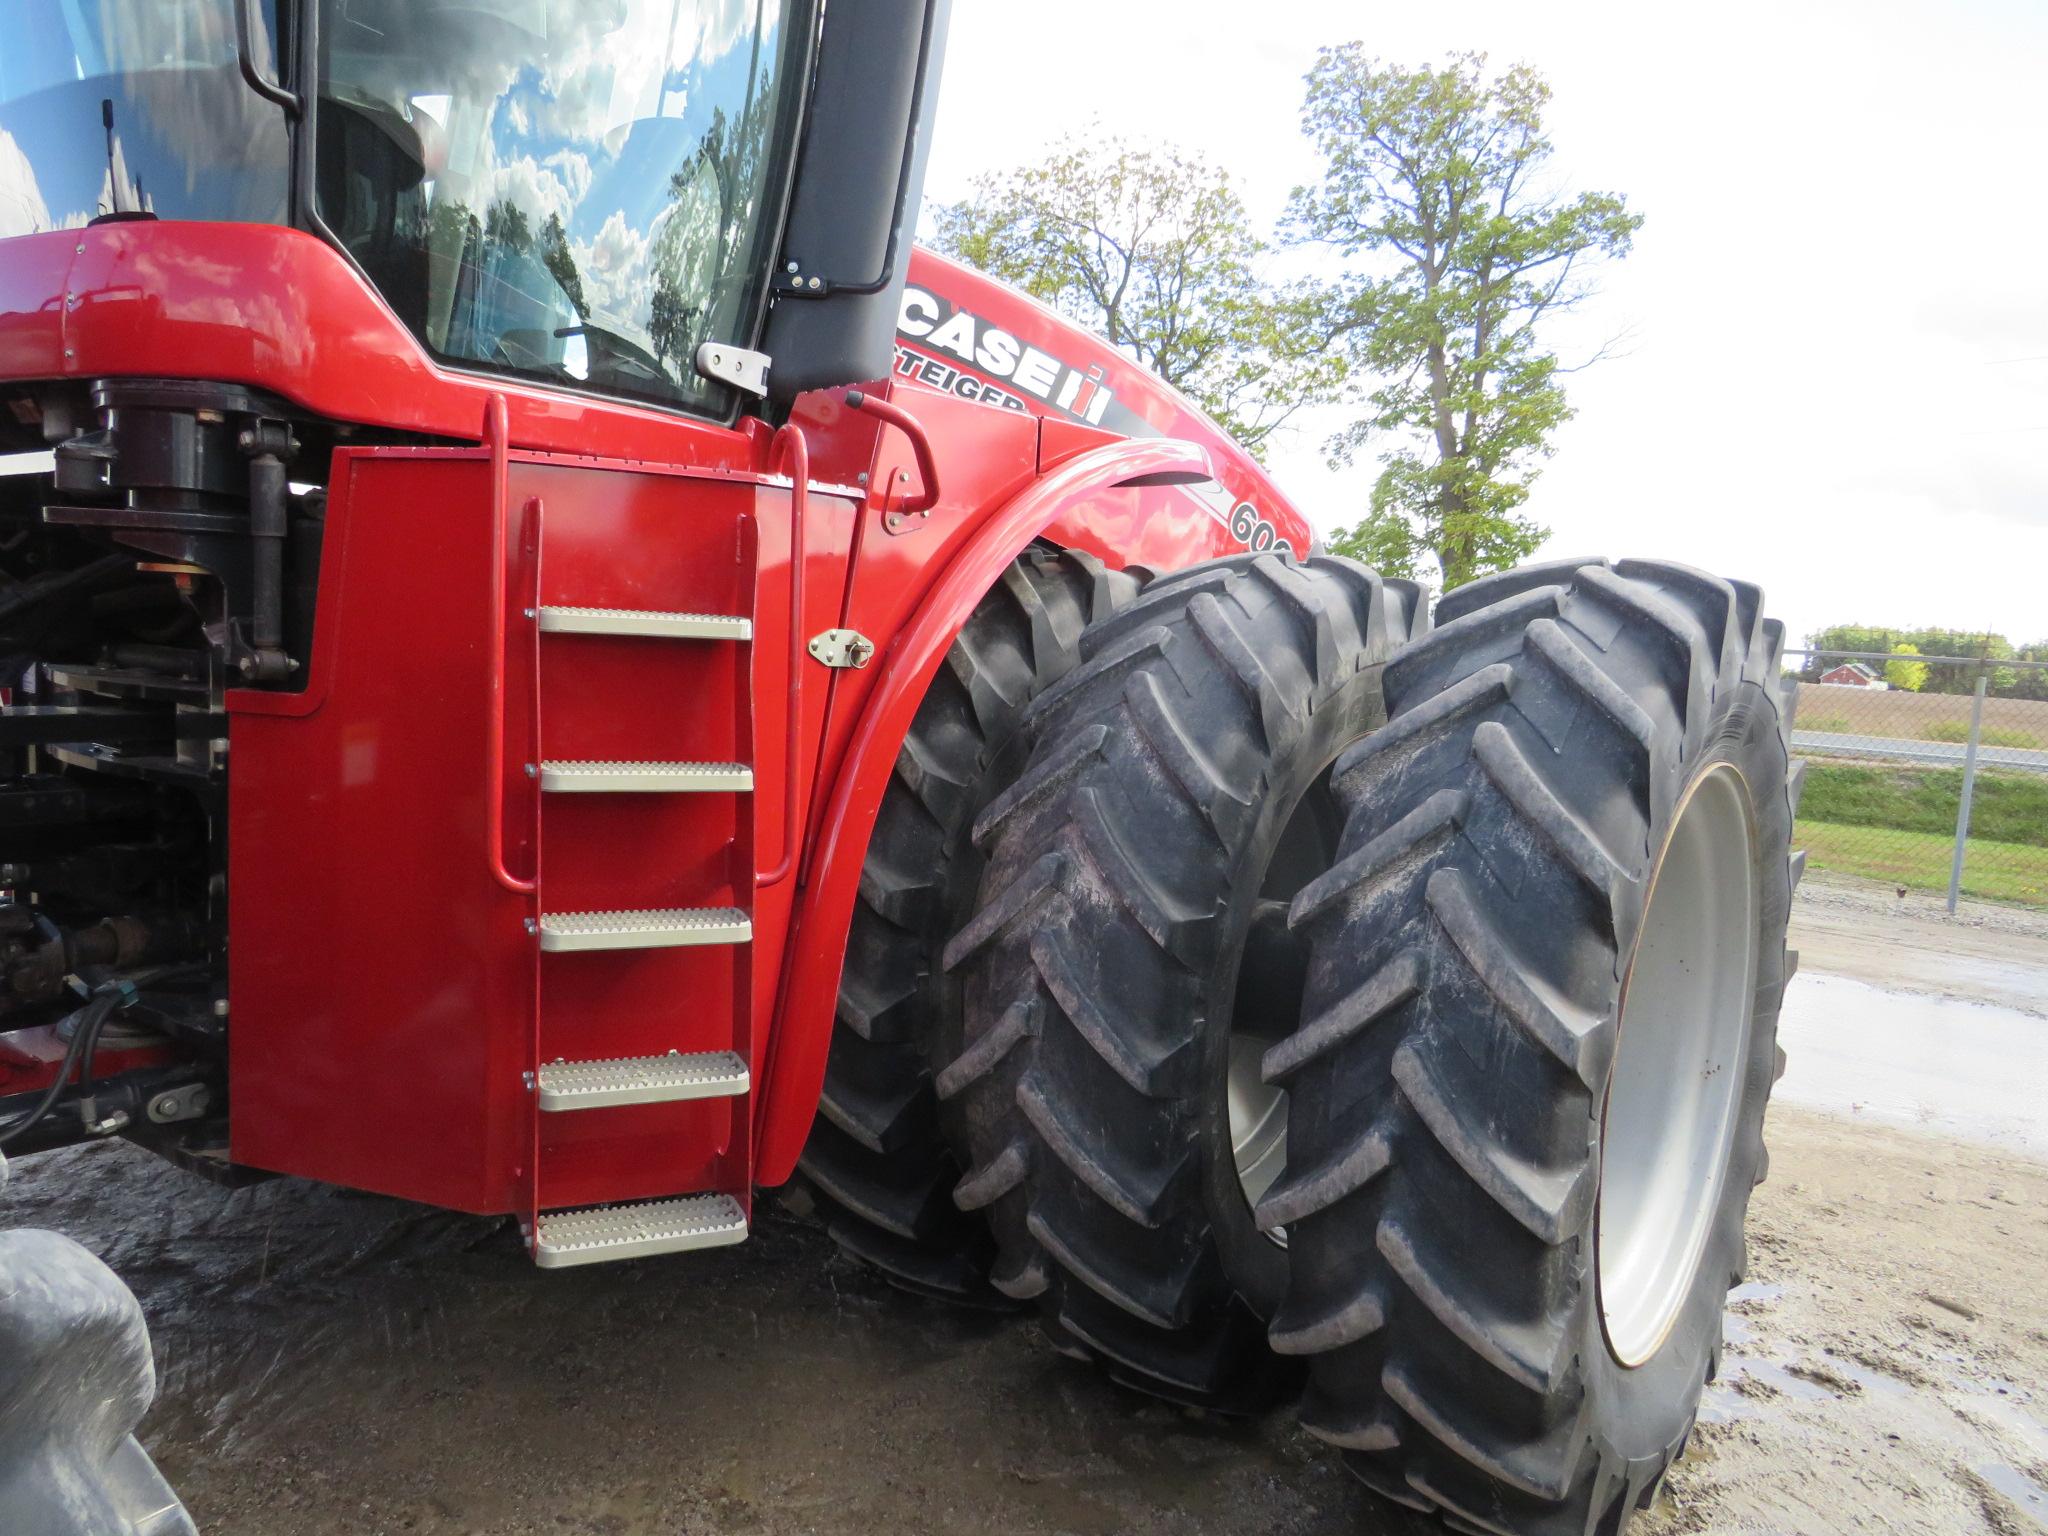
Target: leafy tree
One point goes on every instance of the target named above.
(1909, 675)
(560, 261)
(1929, 641)
(1436, 178)
(669, 316)
(1153, 250)
(505, 224)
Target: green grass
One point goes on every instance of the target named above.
(2007, 807)
(1824, 722)
(1990, 735)
(1998, 871)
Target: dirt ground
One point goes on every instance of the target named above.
(338, 1363)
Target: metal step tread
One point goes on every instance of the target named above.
(645, 621)
(657, 928)
(603, 1233)
(567, 1085)
(644, 778)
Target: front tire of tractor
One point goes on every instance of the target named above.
(1130, 949)
(875, 1156)
(1529, 1084)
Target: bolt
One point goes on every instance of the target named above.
(246, 665)
(792, 266)
(816, 282)
(532, 772)
(220, 1007)
(532, 926)
(165, 1107)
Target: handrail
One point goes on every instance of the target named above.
(920, 445)
(789, 442)
(496, 438)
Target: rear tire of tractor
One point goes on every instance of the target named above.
(1529, 1086)
(1175, 799)
(883, 1172)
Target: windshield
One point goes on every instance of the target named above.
(127, 107)
(581, 190)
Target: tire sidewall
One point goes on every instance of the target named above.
(1645, 1410)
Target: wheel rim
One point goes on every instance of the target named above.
(1271, 976)
(1676, 1084)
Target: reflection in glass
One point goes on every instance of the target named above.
(133, 107)
(573, 190)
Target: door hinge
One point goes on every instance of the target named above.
(727, 364)
(842, 648)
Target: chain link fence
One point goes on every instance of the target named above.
(1925, 772)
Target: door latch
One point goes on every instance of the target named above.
(842, 648)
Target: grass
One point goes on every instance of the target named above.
(1990, 735)
(1823, 722)
(2007, 807)
(1998, 871)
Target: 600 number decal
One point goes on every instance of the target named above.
(1253, 531)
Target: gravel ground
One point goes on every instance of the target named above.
(335, 1363)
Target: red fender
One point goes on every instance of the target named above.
(807, 999)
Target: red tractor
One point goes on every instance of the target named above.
(513, 696)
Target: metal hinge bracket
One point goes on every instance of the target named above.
(736, 366)
(842, 648)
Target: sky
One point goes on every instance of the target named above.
(1831, 372)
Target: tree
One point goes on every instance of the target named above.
(1909, 675)
(1153, 250)
(1435, 176)
(560, 261)
(505, 224)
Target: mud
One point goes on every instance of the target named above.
(340, 1363)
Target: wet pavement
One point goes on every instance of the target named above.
(1971, 1070)
(342, 1363)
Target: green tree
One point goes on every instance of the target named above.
(1929, 641)
(505, 224)
(1909, 675)
(560, 261)
(1153, 250)
(1436, 178)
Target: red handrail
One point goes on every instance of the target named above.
(496, 435)
(789, 443)
(920, 446)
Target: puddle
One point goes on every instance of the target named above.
(2023, 1491)
(1964, 1069)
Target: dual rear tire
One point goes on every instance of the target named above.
(1398, 1005)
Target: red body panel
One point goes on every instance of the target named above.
(386, 998)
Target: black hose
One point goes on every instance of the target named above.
(41, 589)
(84, 1039)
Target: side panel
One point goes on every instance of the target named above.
(382, 981)
(375, 962)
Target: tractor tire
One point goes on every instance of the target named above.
(875, 1155)
(1174, 801)
(1528, 1089)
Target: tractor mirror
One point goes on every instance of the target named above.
(853, 209)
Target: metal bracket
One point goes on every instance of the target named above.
(842, 648)
(736, 366)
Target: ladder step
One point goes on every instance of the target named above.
(644, 778)
(643, 621)
(607, 1232)
(566, 1085)
(663, 928)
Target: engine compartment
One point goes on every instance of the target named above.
(156, 548)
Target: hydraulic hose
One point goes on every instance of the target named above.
(84, 1039)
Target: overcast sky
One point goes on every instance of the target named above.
(1835, 376)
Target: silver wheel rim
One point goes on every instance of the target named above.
(1258, 1121)
(1676, 1084)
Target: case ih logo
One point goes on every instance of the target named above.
(928, 324)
